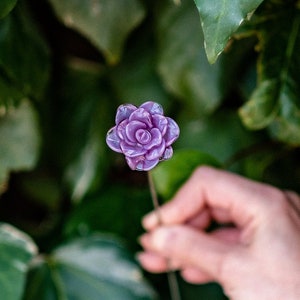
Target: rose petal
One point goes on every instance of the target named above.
(141, 115)
(156, 139)
(112, 140)
(167, 154)
(132, 150)
(121, 132)
(172, 132)
(123, 112)
(132, 127)
(140, 163)
(132, 162)
(143, 136)
(153, 108)
(147, 165)
(161, 123)
(121, 129)
(156, 152)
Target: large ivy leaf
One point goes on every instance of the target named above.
(106, 23)
(275, 101)
(19, 147)
(17, 249)
(182, 62)
(95, 267)
(171, 174)
(220, 19)
(24, 55)
(6, 6)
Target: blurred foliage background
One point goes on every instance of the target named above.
(70, 209)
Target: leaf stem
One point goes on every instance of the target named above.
(172, 279)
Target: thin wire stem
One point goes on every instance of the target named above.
(172, 279)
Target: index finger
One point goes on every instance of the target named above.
(242, 199)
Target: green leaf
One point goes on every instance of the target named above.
(20, 139)
(286, 126)
(106, 23)
(182, 62)
(275, 101)
(24, 55)
(17, 249)
(220, 19)
(262, 108)
(6, 6)
(95, 267)
(171, 174)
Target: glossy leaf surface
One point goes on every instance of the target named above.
(220, 19)
(95, 267)
(17, 249)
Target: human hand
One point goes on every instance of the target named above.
(256, 257)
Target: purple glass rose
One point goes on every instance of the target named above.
(143, 134)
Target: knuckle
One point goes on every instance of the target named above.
(202, 171)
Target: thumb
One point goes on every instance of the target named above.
(191, 247)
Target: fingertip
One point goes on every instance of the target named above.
(152, 262)
(144, 240)
(195, 276)
(150, 221)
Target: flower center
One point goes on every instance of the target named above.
(143, 136)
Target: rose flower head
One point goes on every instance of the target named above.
(143, 134)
